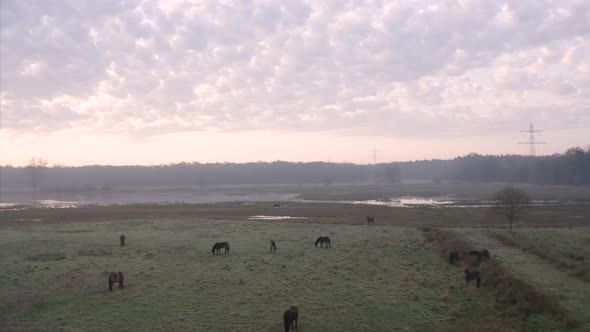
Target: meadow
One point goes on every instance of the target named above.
(383, 277)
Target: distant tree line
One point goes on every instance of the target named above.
(569, 168)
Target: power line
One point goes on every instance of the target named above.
(532, 140)
(373, 156)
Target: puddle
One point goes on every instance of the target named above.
(405, 202)
(274, 218)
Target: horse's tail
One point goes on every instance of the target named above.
(286, 321)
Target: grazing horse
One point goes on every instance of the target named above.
(370, 220)
(481, 254)
(473, 275)
(453, 257)
(290, 318)
(323, 240)
(115, 277)
(273, 246)
(216, 250)
(122, 238)
(277, 205)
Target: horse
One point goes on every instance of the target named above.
(481, 254)
(370, 220)
(122, 238)
(473, 275)
(277, 205)
(290, 318)
(115, 277)
(453, 257)
(273, 246)
(323, 240)
(218, 246)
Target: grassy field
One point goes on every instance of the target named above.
(572, 293)
(372, 279)
(383, 277)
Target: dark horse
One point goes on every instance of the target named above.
(323, 240)
(453, 257)
(277, 205)
(122, 238)
(273, 246)
(370, 220)
(115, 277)
(473, 275)
(216, 250)
(290, 318)
(480, 254)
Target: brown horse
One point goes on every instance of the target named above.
(290, 318)
(122, 238)
(480, 254)
(473, 275)
(115, 277)
(370, 220)
(323, 240)
(273, 246)
(216, 250)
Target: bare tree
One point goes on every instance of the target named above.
(36, 166)
(511, 202)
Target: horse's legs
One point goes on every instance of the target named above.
(478, 281)
(121, 284)
(110, 284)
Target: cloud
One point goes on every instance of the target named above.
(419, 69)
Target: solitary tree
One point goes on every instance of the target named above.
(511, 202)
(36, 166)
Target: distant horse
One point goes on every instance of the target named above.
(473, 275)
(277, 205)
(370, 220)
(323, 240)
(122, 238)
(480, 254)
(453, 257)
(290, 318)
(273, 246)
(216, 250)
(115, 277)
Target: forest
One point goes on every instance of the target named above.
(569, 168)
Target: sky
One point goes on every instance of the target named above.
(157, 82)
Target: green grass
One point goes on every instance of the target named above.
(372, 279)
(564, 241)
(572, 293)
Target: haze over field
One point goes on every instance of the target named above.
(111, 82)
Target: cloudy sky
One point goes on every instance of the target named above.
(150, 82)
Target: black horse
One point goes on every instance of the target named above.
(370, 220)
(277, 205)
(273, 246)
(453, 257)
(290, 318)
(473, 275)
(323, 240)
(480, 254)
(122, 238)
(216, 250)
(115, 277)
